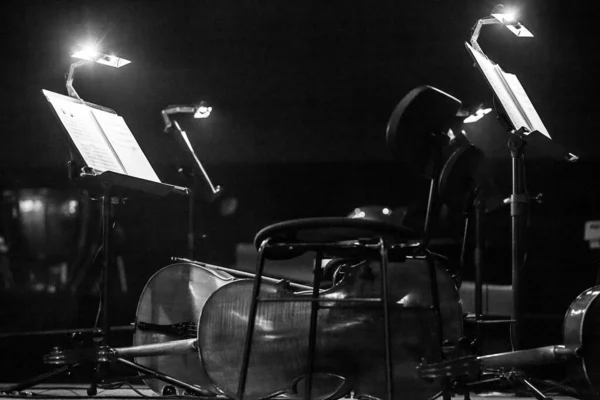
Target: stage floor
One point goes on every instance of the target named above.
(63, 391)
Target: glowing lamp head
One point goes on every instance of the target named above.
(509, 19)
(90, 53)
(477, 115)
(203, 110)
(112, 60)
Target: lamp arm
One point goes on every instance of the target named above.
(71, 76)
(174, 110)
(477, 30)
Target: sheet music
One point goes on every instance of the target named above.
(85, 133)
(526, 105)
(494, 74)
(127, 148)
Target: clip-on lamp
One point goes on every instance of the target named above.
(199, 111)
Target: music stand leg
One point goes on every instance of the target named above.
(479, 207)
(38, 379)
(165, 378)
(107, 219)
(191, 236)
(97, 376)
(536, 392)
(518, 204)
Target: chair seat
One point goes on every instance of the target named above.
(330, 230)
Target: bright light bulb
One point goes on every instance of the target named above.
(88, 52)
(509, 19)
(480, 113)
(203, 112)
(510, 16)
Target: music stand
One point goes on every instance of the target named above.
(525, 127)
(106, 161)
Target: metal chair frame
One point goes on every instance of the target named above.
(319, 248)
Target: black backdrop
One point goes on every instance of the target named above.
(301, 93)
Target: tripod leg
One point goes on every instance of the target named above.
(38, 379)
(436, 396)
(165, 378)
(536, 392)
(97, 376)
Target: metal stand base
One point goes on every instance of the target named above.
(516, 379)
(101, 371)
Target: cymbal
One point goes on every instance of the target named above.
(417, 128)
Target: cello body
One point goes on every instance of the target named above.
(350, 337)
(581, 330)
(168, 310)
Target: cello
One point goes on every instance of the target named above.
(349, 351)
(168, 311)
(580, 352)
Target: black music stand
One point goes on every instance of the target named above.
(523, 124)
(115, 187)
(520, 119)
(110, 187)
(518, 141)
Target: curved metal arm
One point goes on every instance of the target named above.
(71, 75)
(497, 19)
(477, 29)
(175, 110)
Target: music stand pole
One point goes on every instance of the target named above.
(478, 210)
(107, 211)
(518, 209)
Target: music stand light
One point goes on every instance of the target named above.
(476, 115)
(201, 110)
(508, 19)
(90, 55)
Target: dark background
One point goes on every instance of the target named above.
(301, 93)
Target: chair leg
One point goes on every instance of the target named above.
(435, 299)
(312, 333)
(251, 320)
(386, 319)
